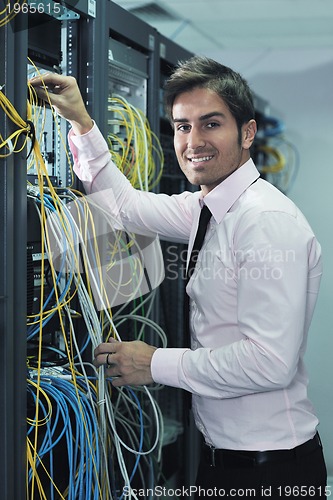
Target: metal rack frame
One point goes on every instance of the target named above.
(13, 39)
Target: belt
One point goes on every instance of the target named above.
(238, 458)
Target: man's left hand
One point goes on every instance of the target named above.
(128, 363)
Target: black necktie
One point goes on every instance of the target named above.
(204, 219)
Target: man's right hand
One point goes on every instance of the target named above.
(65, 96)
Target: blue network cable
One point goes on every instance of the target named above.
(79, 428)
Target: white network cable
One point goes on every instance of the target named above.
(95, 333)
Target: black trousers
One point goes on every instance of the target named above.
(303, 476)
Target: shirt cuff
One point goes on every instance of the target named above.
(89, 144)
(90, 153)
(166, 364)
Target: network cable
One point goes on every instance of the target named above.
(81, 232)
(109, 436)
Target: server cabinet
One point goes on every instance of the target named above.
(110, 52)
(18, 40)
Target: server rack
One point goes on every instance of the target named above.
(15, 36)
(85, 53)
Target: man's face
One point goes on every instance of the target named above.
(206, 138)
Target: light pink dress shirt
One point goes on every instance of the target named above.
(253, 294)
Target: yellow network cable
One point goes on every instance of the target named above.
(34, 469)
(25, 129)
(274, 153)
(38, 112)
(134, 156)
(49, 407)
(10, 11)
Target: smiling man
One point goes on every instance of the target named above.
(249, 312)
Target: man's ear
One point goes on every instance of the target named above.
(249, 131)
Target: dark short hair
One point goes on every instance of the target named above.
(202, 72)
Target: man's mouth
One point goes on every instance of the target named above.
(202, 159)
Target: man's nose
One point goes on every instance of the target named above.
(195, 139)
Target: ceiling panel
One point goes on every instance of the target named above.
(205, 25)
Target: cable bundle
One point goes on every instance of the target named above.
(25, 128)
(71, 425)
(276, 157)
(107, 406)
(85, 439)
(278, 161)
(134, 155)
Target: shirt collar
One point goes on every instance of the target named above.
(223, 196)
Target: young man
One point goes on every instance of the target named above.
(252, 292)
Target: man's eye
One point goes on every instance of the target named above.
(212, 125)
(183, 128)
